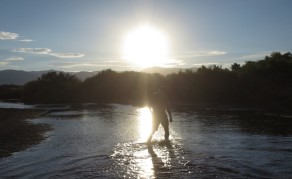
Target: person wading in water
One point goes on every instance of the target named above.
(159, 106)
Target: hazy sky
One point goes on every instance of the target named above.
(88, 35)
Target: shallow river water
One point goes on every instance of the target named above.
(108, 141)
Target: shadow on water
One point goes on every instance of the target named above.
(161, 169)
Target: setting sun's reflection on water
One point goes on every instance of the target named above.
(144, 163)
(140, 160)
(145, 123)
(147, 160)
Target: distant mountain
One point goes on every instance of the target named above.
(19, 77)
(165, 71)
(40, 73)
(16, 77)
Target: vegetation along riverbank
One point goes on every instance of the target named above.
(266, 83)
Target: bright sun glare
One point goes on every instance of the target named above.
(146, 46)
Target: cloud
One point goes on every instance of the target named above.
(4, 63)
(217, 53)
(26, 40)
(67, 55)
(12, 36)
(8, 35)
(33, 50)
(205, 64)
(255, 56)
(47, 51)
(202, 54)
(8, 61)
(14, 59)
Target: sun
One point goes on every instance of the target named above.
(146, 46)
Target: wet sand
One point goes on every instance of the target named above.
(16, 133)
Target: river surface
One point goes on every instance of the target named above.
(108, 141)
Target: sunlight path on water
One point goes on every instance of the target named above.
(138, 159)
(145, 123)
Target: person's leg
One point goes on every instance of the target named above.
(150, 136)
(165, 125)
(155, 125)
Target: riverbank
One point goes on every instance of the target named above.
(16, 133)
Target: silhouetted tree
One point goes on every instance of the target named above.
(52, 87)
(235, 67)
(10, 92)
(110, 86)
(266, 82)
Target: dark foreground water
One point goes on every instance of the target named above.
(107, 141)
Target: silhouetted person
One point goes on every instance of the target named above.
(159, 106)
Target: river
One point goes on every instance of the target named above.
(108, 141)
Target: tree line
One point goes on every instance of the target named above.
(267, 82)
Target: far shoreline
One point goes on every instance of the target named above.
(271, 110)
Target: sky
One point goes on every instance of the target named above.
(89, 35)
